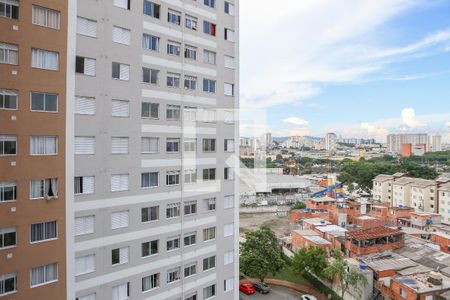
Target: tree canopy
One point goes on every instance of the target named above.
(299, 205)
(312, 259)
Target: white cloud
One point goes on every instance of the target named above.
(409, 118)
(373, 131)
(296, 121)
(447, 124)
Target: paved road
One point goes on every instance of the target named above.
(276, 293)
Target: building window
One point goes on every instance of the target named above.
(9, 54)
(119, 145)
(84, 225)
(228, 173)
(174, 17)
(229, 35)
(44, 59)
(150, 110)
(8, 98)
(228, 202)
(150, 282)
(149, 145)
(190, 176)
(120, 219)
(150, 248)
(192, 296)
(173, 112)
(9, 9)
(8, 191)
(228, 145)
(209, 263)
(209, 145)
(173, 210)
(209, 57)
(43, 145)
(44, 274)
(149, 214)
(150, 75)
(173, 48)
(149, 180)
(210, 3)
(228, 284)
(151, 9)
(46, 17)
(120, 255)
(44, 188)
(121, 35)
(190, 208)
(8, 282)
(190, 145)
(209, 234)
(86, 27)
(125, 4)
(209, 115)
(209, 85)
(84, 65)
(84, 185)
(209, 28)
(190, 239)
(229, 62)
(228, 257)
(84, 264)
(210, 204)
(8, 145)
(121, 292)
(190, 82)
(43, 231)
(8, 238)
(120, 71)
(173, 275)
(172, 145)
(84, 145)
(209, 174)
(190, 270)
(173, 243)
(228, 117)
(85, 105)
(190, 115)
(150, 42)
(44, 102)
(119, 182)
(228, 89)
(120, 108)
(229, 8)
(173, 80)
(228, 229)
(190, 52)
(190, 22)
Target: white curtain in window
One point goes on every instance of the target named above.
(51, 272)
(44, 59)
(37, 275)
(37, 189)
(228, 257)
(53, 18)
(84, 264)
(150, 145)
(228, 89)
(120, 292)
(121, 3)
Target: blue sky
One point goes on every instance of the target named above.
(360, 68)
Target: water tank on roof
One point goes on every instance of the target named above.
(322, 222)
(363, 266)
(400, 205)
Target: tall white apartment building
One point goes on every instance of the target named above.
(444, 202)
(430, 143)
(330, 141)
(156, 88)
(435, 143)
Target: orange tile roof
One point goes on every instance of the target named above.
(372, 233)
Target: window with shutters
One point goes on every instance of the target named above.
(149, 180)
(209, 204)
(8, 145)
(125, 4)
(190, 208)
(190, 176)
(43, 145)
(150, 248)
(228, 229)
(209, 234)
(119, 145)
(44, 188)
(209, 28)
(173, 112)
(229, 35)
(46, 17)
(87, 297)
(84, 185)
(86, 27)
(228, 257)
(228, 173)
(209, 57)
(228, 284)
(150, 282)
(44, 59)
(228, 202)
(8, 99)
(190, 145)
(44, 274)
(150, 75)
(173, 80)
(150, 42)
(149, 145)
(228, 117)
(152, 9)
(120, 71)
(190, 238)
(8, 237)
(119, 219)
(121, 35)
(210, 3)
(84, 65)
(209, 145)
(228, 89)
(173, 210)
(84, 264)
(209, 263)
(43, 231)
(172, 145)
(172, 178)
(149, 214)
(120, 108)
(228, 145)
(44, 102)
(209, 115)
(8, 191)
(84, 145)
(229, 62)
(209, 85)
(174, 17)
(9, 9)
(9, 54)
(173, 243)
(121, 292)
(84, 105)
(120, 255)
(150, 110)
(119, 182)
(229, 8)
(190, 22)
(173, 275)
(8, 282)
(84, 225)
(190, 82)
(190, 269)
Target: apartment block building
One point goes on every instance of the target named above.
(413, 144)
(444, 202)
(33, 97)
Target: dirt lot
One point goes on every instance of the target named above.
(280, 225)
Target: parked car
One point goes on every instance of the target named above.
(308, 297)
(261, 287)
(247, 288)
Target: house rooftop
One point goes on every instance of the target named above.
(420, 283)
(411, 230)
(317, 240)
(316, 221)
(331, 228)
(445, 187)
(403, 181)
(365, 217)
(422, 183)
(372, 233)
(383, 177)
(387, 261)
(306, 232)
(322, 199)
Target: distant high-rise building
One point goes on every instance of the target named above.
(435, 144)
(330, 141)
(413, 143)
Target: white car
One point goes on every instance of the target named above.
(308, 297)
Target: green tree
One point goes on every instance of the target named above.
(299, 205)
(312, 259)
(347, 276)
(260, 254)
